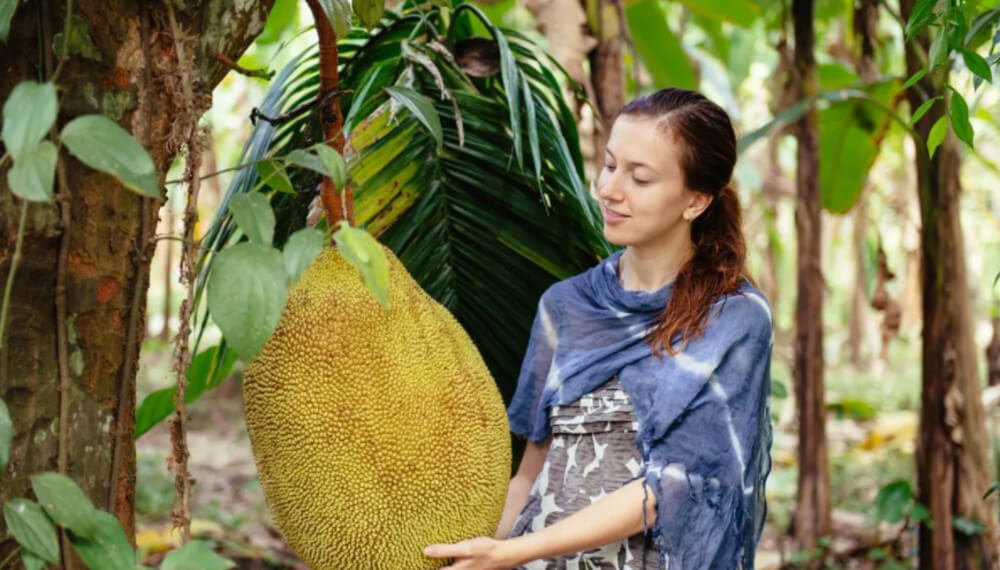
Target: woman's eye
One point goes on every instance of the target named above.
(640, 182)
(610, 167)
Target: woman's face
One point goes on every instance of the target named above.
(641, 187)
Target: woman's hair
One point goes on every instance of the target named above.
(708, 155)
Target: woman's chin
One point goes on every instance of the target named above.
(615, 237)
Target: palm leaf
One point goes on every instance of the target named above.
(483, 227)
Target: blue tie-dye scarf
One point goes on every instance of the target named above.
(704, 416)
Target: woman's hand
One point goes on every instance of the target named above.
(480, 553)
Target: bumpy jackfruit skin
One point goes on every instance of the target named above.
(375, 432)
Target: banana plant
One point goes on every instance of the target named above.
(464, 159)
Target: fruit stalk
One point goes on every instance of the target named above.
(338, 205)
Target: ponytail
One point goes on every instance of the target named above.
(715, 269)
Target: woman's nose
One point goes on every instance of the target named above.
(608, 187)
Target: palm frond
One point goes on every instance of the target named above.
(486, 222)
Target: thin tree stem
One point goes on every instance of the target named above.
(65, 54)
(13, 268)
(10, 556)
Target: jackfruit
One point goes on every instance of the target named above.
(375, 432)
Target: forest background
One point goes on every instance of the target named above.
(868, 171)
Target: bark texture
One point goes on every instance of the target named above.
(953, 468)
(607, 72)
(124, 66)
(812, 509)
(865, 28)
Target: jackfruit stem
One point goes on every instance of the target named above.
(338, 205)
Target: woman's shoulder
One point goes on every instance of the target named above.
(747, 309)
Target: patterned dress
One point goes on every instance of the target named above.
(592, 453)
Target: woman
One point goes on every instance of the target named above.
(668, 332)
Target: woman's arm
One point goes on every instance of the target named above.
(517, 497)
(614, 517)
(520, 485)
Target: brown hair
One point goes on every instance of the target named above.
(708, 156)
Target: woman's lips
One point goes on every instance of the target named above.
(613, 217)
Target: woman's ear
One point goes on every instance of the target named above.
(698, 203)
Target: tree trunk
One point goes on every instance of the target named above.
(607, 72)
(993, 354)
(857, 325)
(812, 509)
(124, 66)
(952, 457)
(865, 28)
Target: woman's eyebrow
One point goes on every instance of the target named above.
(633, 163)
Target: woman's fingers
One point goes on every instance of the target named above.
(459, 549)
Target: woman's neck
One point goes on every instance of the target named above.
(650, 268)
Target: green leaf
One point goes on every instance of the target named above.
(742, 54)
(994, 487)
(246, 294)
(78, 42)
(854, 408)
(7, 9)
(28, 114)
(977, 64)
(370, 91)
(849, 135)
(740, 12)
(283, 15)
(366, 254)
(31, 561)
(778, 390)
(334, 165)
(65, 503)
(369, 11)
(300, 250)
(936, 135)
(103, 145)
(967, 526)
(509, 76)
(304, 159)
(658, 47)
(32, 175)
(6, 435)
(339, 12)
(531, 119)
(33, 530)
(421, 107)
(939, 49)
(835, 75)
(922, 109)
(921, 14)
(195, 555)
(982, 23)
(959, 113)
(109, 548)
(920, 514)
(914, 78)
(207, 370)
(254, 217)
(892, 500)
(273, 174)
